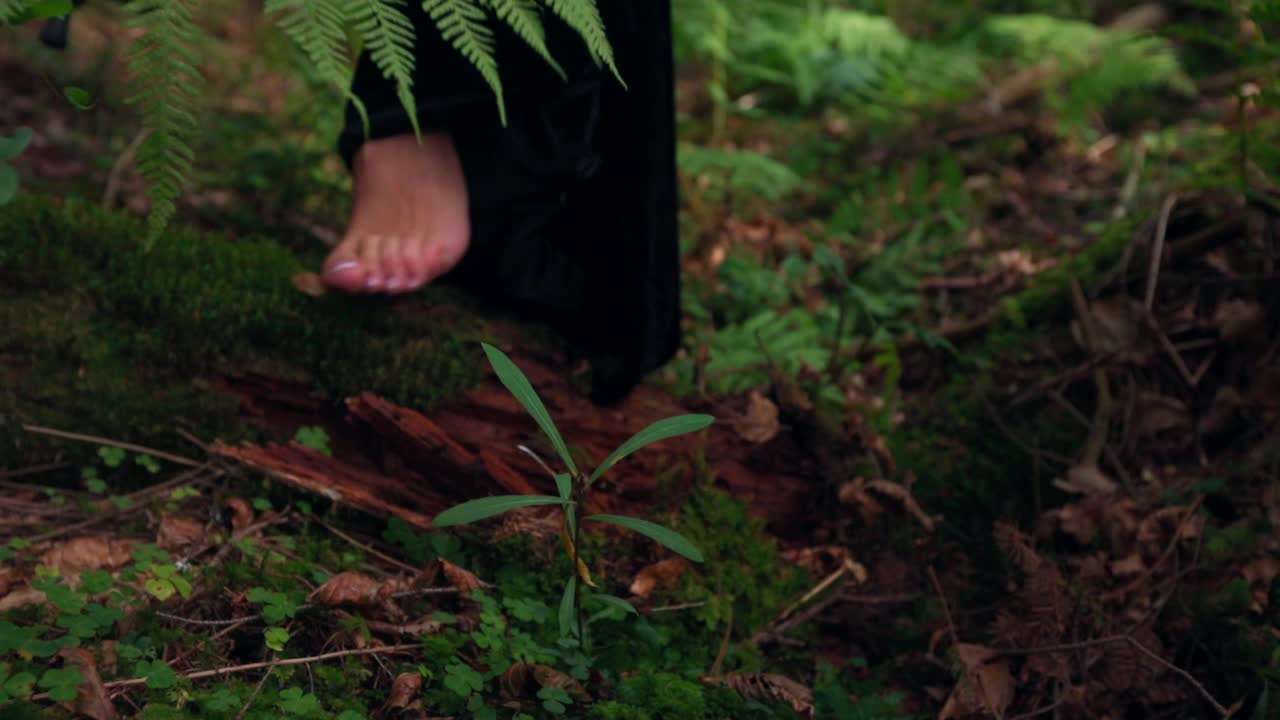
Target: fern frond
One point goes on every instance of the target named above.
(525, 18)
(11, 10)
(318, 28)
(167, 87)
(462, 23)
(390, 37)
(584, 17)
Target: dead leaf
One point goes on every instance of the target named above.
(1087, 480)
(310, 283)
(91, 695)
(583, 573)
(347, 588)
(87, 553)
(1117, 325)
(770, 687)
(176, 532)
(405, 690)
(854, 494)
(1260, 574)
(523, 680)
(819, 561)
(661, 575)
(1240, 320)
(987, 684)
(904, 496)
(1156, 413)
(21, 597)
(759, 424)
(240, 512)
(1222, 411)
(464, 580)
(1129, 566)
(425, 626)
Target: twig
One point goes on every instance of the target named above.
(1042, 711)
(946, 607)
(6, 475)
(1102, 412)
(1157, 251)
(679, 606)
(718, 664)
(1164, 556)
(368, 548)
(272, 664)
(207, 623)
(112, 443)
(118, 167)
(254, 696)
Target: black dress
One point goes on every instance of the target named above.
(573, 203)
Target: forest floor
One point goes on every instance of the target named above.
(996, 430)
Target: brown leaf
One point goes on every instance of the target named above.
(661, 575)
(1260, 574)
(771, 687)
(347, 588)
(522, 681)
(820, 561)
(310, 283)
(240, 511)
(1156, 413)
(759, 424)
(1129, 566)
(854, 494)
(986, 685)
(1117, 325)
(464, 580)
(404, 693)
(1240, 320)
(91, 695)
(176, 532)
(904, 496)
(1087, 480)
(87, 553)
(1222, 411)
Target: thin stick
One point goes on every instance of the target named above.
(946, 607)
(272, 664)
(118, 167)
(254, 696)
(1097, 438)
(1157, 251)
(680, 606)
(367, 548)
(112, 443)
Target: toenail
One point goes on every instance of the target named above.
(373, 282)
(343, 267)
(394, 284)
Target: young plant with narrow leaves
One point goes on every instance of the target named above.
(572, 486)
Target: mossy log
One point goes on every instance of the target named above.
(100, 335)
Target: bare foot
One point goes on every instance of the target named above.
(409, 221)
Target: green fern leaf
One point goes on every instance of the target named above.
(11, 10)
(318, 28)
(167, 86)
(462, 23)
(390, 37)
(525, 18)
(584, 17)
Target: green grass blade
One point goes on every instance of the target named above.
(655, 532)
(473, 510)
(567, 625)
(516, 382)
(564, 483)
(661, 430)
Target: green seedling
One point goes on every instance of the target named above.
(572, 487)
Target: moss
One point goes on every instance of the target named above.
(617, 711)
(744, 568)
(664, 696)
(99, 335)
